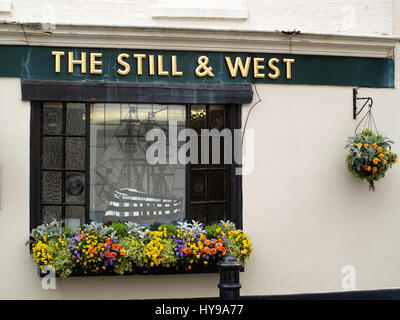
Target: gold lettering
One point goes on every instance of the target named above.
(94, 63)
(175, 71)
(72, 62)
(127, 67)
(257, 67)
(151, 65)
(57, 55)
(274, 68)
(161, 72)
(288, 67)
(139, 58)
(238, 64)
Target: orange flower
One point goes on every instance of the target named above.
(113, 254)
(223, 249)
(219, 244)
(381, 156)
(115, 246)
(202, 236)
(366, 145)
(369, 168)
(374, 169)
(187, 251)
(380, 149)
(375, 161)
(375, 145)
(80, 237)
(207, 242)
(91, 250)
(207, 250)
(365, 168)
(213, 251)
(122, 252)
(109, 240)
(190, 267)
(107, 254)
(385, 162)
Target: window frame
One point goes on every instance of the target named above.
(38, 92)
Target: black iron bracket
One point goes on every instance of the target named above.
(355, 98)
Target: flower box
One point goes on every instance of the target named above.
(128, 249)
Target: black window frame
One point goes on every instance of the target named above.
(38, 92)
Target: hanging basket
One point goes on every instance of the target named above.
(369, 156)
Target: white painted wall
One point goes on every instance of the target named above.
(306, 216)
(370, 17)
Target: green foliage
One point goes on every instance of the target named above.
(170, 229)
(169, 258)
(61, 262)
(369, 156)
(66, 231)
(212, 231)
(134, 253)
(120, 228)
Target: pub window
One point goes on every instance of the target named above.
(92, 165)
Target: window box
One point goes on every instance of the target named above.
(118, 249)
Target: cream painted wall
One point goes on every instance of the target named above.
(306, 216)
(341, 16)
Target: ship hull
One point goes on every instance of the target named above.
(131, 205)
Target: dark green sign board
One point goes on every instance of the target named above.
(160, 66)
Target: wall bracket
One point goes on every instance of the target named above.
(355, 98)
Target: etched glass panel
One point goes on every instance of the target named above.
(125, 186)
(74, 216)
(51, 186)
(75, 153)
(217, 185)
(52, 118)
(199, 212)
(76, 119)
(52, 152)
(50, 213)
(74, 187)
(216, 213)
(198, 186)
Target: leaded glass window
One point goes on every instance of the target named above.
(93, 165)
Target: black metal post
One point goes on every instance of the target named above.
(229, 286)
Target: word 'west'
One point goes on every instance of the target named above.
(150, 64)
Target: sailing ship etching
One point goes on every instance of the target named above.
(131, 188)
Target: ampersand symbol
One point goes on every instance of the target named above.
(202, 70)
